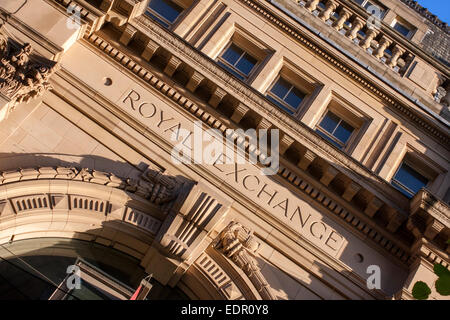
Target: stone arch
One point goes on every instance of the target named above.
(156, 219)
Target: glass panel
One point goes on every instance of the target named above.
(228, 68)
(280, 105)
(167, 9)
(328, 138)
(294, 97)
(232, 54)
(280, 88)
(329, 122)
(165, 24)
(401, 29)
(343, 132)
(246, 64)
(410, 178)
(360, 2)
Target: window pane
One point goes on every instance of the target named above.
(280, 88)
(401, 29)
(246, 64)
(294, 97)
(329, 122)
(166, 8)
(231, 70)
(329, 138)
(280, 105)
(410, 178)
(360, 2)
(232, 54)
(343, 132)
(154, 16)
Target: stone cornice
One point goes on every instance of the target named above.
(427, 14)
(361, 225)
(302, 133)
(441, 134)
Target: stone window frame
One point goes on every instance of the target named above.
(187, 6)
(406, 24)
(300, 79)
(418, 162)
(256, 48)
(350, 114)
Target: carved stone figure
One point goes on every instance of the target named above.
(238, 243)
(22, 80)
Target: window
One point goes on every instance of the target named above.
(403, 27)
(372, 7)
(164, 11)
(335, 130)
(285, 95)
(237, 61)
(408, 180)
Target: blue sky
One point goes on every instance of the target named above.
(441, 8)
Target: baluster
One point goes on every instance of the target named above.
(370, 35)
(397, 52)
(382, 45)
(343, 16)
(357, 25)
(311, 5)
(326, 13)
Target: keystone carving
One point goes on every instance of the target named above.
(240, 245)
(21, 80)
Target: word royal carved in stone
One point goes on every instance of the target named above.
(21, 80)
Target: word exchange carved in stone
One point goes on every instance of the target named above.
(245, 178)
(21, 80)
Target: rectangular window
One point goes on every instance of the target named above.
(285, 95)
(403, 30)
(335, 130)
(164, 11)
(237, 61)
(408, 180)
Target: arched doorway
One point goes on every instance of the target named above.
(33, 269)
(147, 221)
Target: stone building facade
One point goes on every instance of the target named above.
(96, 94)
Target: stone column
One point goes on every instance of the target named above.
(343, 16)
(357, 25)
(311, 5)
(330, 7)
(397, 52)
(370, 35)
(382, 45)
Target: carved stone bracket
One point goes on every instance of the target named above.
(186, 231)
(21, 80)
(429, 218)
(238, 244)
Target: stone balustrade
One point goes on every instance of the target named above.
(363, 31)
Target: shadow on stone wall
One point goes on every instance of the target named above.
(14, 161)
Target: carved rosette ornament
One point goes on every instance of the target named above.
(21, 80)
(240, 245)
